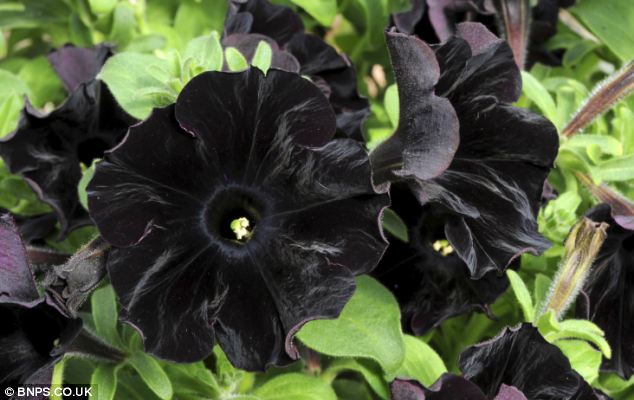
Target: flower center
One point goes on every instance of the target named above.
(232, 215)
(90, 149)
(242, 228)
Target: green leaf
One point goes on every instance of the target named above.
(393, 223)
(263, 56)
(607, 144)
(542, 286)
(86, 176)
(127, 74)
(611, 21)
(522, 295)
(198, 17)
(421, 363)
(152, 374)
(391, 104)
(12, 91)
(235, 59)
(123, 24)
(617, 169)
(370, 371)
(102, 6)
(295, 386)
(369, 327)
(583, 358)
(537, 93)
(193, 380)
(104, 380)
(324, 11)
(206, 51)
(105, 314)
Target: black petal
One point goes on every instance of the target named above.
(320, 61)
(427, 136)
(279, 23)
(520, 357)
(610, 292)
(47, 149)
(447, 387)
(236, 145)
(254, 20)
(431, 287)
(34, 332)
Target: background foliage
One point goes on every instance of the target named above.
(161, 44)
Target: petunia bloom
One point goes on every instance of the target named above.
(251, 21)
(520, 357)
(427, 277)
(460, 144)
(36, 331)
(48, 150)
(609, 287)
(518, 364)
(242, 221)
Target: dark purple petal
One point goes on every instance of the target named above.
(77, 65)
(278, 22)
(47, 149)
(509, 393)
(16, 279)
(406, 21)
(447, 387)
(428, 133)
(443, 14)
(321, 62)
(610, 292)
(236, 145)
(520, 357)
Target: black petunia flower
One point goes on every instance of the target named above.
(521, 358)
(518, 364)
(251, 21)
(609, 287)
(429, 280)
(48, 150)
(35, 331)
(461, 145)
(449, 387)
(242, 220)
(527, 29)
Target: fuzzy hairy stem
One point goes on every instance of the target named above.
(602, 98)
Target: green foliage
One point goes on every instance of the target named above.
(369, 327)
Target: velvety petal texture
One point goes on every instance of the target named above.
(430, 282)
(251, 21)
(47, 150)
(520, 357)
(610, 289)
(35, 331)
(492, 183)
(246, 149)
